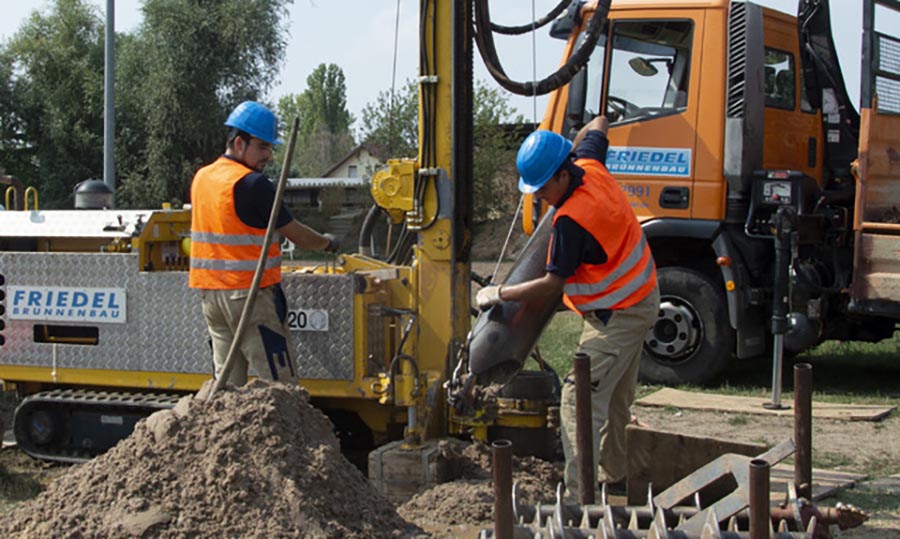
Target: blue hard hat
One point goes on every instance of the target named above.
(539, 157)
(256, 120)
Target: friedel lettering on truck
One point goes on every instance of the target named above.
(68, 304)
(649, 161)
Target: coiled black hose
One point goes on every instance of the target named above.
(484, 37)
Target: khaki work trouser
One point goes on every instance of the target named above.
(615, 352)
(266, 345)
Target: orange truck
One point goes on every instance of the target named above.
(770, 203)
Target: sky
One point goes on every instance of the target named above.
(359, 36)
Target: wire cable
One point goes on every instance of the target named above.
(508, 236)
(533, 62)
(392, 111)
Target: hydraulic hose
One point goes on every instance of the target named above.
(260, 264)
(365, 233)
(517, 30)
(485, 39)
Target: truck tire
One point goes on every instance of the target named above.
(692, 341)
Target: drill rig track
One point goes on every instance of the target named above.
(75, 425)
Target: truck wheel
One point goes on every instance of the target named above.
(692, 340)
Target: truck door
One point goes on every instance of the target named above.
(792, 126)
(650, 97)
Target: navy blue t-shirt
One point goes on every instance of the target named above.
(254, 195)
(571, 245)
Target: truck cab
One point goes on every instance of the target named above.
(722, 114)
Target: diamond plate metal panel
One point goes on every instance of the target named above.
(165, 329)
(323, 355)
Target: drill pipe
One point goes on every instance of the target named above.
(503, 505)
(504, 335)
(584, 437)
(759, 499)
(803, 429)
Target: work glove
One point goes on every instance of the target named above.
(488, 296)
(334, 244)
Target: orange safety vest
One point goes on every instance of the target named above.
(629, 274)
(224, 250)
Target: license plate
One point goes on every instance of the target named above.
(307, 320)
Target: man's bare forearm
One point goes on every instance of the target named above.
(303, 236)
(546, 287)
(599, 123)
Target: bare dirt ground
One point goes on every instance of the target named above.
(204, 469)
(871, 448)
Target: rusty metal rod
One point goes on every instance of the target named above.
(759, 499)
(502, 472)
(803, 429)
(584, 437)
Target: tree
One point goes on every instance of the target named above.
(16, 155)
(495, 192)
(177, 76)
(197, 60)
(324, 130)
(393, 124)
(52, 100)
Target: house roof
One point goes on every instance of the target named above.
(350, 155)
(316, 183)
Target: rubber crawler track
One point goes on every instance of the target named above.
(66, 403)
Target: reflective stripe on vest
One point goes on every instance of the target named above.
(227, 239)
(224, 250)
(233, 265)
(610, 300)
(600, 207)
(585, 289)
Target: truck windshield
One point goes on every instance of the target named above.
(650, 67)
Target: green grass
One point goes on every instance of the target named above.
(843, 372)
(827, 460)
(882, 467)
(559, 341)
(871, 501)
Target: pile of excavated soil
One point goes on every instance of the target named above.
(254, 462)
(470, 499)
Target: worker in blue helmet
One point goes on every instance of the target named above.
(599, 262)
(232, 200)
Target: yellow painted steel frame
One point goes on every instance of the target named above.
(439, 286)
(442, 289)
(512, 413)
(159, 243)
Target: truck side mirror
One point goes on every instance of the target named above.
(642, 67)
